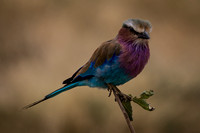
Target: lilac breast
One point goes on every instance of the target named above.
(133, 58)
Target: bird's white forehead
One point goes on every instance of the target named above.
(138, 25)
(128, 22)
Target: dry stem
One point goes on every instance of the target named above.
(116, 94)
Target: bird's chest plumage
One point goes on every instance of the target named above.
(133, 58)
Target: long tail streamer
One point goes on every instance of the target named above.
(56, 92)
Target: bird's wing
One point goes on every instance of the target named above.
(105, 52)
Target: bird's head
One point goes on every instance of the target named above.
(135, 30)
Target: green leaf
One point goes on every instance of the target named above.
(142, 100)
(146, 94)
(128, 108)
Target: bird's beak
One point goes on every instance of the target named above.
(144, 35)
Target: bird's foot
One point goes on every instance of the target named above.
(110, 91)
(122, 96)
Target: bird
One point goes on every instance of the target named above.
(114, 62)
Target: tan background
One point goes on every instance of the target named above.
(42, 42)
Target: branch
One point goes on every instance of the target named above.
(116, 94)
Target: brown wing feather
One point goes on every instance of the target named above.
(104, 52)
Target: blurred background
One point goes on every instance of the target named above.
(43, 42)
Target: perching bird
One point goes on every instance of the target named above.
(115, 62)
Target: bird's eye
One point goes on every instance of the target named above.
(132, 30)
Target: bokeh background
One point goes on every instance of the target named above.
(43, 42)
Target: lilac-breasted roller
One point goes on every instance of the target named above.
(114, 62)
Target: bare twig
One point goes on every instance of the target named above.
(116, 94)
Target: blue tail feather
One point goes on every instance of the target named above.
(56, 92)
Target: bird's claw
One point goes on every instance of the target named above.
(122, 96)
(110, 92)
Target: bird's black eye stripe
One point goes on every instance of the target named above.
(125, 26)
(131, 29)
